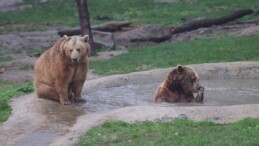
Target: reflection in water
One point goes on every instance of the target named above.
(59, 119)
(58, 113)
(217, 92)
(117, 97)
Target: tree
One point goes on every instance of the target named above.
(85, 23)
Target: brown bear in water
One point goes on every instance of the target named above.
(179, 86)
(60, 72)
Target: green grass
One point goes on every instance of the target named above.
(35, 52)
(17, 50)
(26, 67)
(5, 59)
(175, 133)
(64, 12)
(9, 90)
(185, 52)
(24, 27)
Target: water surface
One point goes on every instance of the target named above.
(217, 93)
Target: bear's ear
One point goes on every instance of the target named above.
(85, 38)
(173, 75)
(180, 68)
(67, 38)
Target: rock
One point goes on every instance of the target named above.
(103, 39)
(152, 33)
(2, 70)
(182, 116)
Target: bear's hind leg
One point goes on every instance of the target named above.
(47, 92)
(77, 89)
(71, 96)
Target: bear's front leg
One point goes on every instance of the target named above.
(77, 89)
(62, 90)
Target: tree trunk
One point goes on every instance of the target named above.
(85, 23)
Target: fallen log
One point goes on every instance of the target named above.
(248, 21)
(70, 32)
(211, 21)
(106, 27)
(112, 26)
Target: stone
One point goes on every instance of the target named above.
(103, 39)
(152, 33)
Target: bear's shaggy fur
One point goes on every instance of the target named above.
(60, 72)
(179, 86)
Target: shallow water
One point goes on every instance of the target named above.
(231, 92)
(60, 117)
(217, 93)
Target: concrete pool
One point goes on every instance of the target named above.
(231, 94)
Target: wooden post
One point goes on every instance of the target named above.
(85, 23)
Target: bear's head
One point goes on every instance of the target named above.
(184, 79)
(76, 48)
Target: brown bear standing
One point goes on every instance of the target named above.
(60, 72)
(179, 86)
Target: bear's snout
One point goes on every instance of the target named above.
(74, 60)
(74, 56)
(196, 88)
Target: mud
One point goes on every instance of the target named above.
(231, 94)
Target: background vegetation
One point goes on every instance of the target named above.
(197, 51)
(64, 12)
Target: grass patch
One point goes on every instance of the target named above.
(5, 59)
(64, 12)
(26, 67)
(24, 27)
(50, 11)
(36, 52)
(9, 90)
(17, 50)
(185, 52)
(175, 133)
